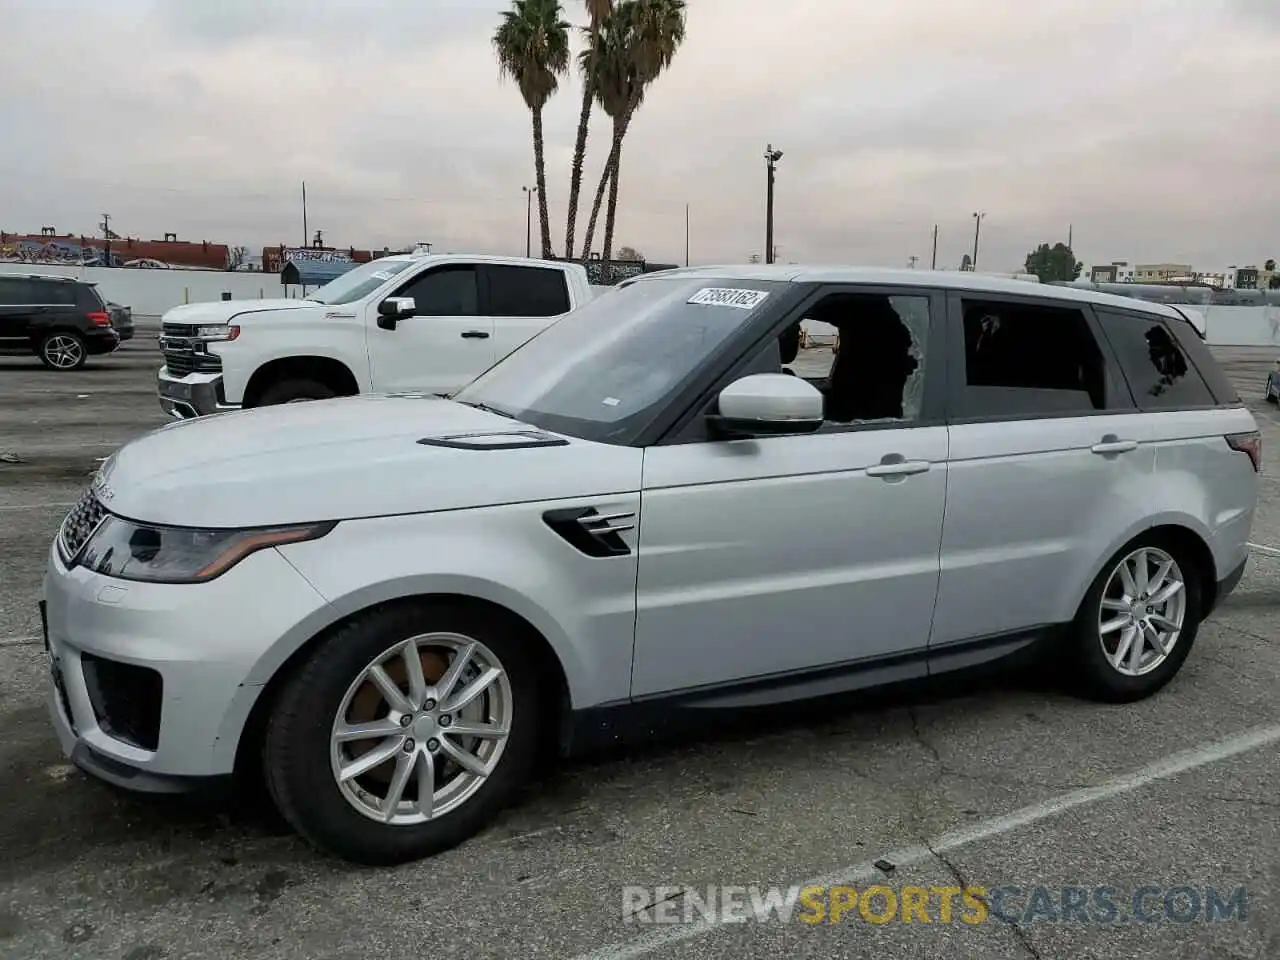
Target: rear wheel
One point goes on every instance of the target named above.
(405, 732)
(1138, 621)
(63, 350)
(296, 391)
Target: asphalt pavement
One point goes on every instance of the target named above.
(999, 785)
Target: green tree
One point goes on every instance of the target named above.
(1051, 264)
(532, 46)
(635, 45)
(630, 253)
(598, 11)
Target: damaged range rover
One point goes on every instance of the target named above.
(387, 606)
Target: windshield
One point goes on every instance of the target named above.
(605, 370)
(356, 284)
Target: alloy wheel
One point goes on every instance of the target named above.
(63, 352)
(421, 728)
(1143, 611)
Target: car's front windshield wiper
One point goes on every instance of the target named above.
(486, 408)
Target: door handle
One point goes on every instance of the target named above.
(475, 335)
(1113, 444)
(898, 468)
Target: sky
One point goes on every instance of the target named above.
(1150, 129)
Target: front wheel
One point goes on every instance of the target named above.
(63, 350)
(296, 391)
(405, 732)
(1138, 622)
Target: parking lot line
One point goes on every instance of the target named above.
(1266, 551)
(37, 506)
(18, 641)
(867, 871)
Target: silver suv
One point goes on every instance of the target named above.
(658, 505)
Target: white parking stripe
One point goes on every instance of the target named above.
(19, 641)
(865, 872)
(1266, 551)
(40, 506)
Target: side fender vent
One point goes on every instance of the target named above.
(591, 532)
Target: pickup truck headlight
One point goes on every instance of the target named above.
(155, 554)
(217, 331)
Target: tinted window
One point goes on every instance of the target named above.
(444, 292)
(52, 292)
(88, 298)
(1158, 370)
(527, 292)
(13, 292)
(1027, 360)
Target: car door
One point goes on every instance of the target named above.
(522, 300)
(16, 312)
(1049, 459)
(804, 562)
(445, 343)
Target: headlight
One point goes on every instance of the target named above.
(135, 551)
(217, 331)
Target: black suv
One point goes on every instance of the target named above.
(61, 320)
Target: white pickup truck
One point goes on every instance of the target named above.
(415, 322)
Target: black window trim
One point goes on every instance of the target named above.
(484, 280)
(454, 267)
(683, 426)
(1168, 322)
(1116, 387)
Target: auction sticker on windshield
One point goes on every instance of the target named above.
(729, 297)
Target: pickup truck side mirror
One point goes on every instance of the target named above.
(394, 309)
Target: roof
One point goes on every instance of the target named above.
(932, 279)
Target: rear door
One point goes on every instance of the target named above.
(522, 300)
(15, 311)
(1049, 459)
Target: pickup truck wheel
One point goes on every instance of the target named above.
(63, 350)
(296, 391)
(405, 732)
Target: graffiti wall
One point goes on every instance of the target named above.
(54, 251)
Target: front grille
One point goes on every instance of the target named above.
(125, 698)
(183, 354)
(79, 525)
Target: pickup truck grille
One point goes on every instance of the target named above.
(79, 525)
(183, 354)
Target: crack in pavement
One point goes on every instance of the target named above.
(958, 876)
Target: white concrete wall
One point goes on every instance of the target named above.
(152, 292)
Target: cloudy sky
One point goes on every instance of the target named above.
(1151, 126)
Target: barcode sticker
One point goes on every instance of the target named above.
(729, 297)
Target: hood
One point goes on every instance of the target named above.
(362, 456)
(220, 311)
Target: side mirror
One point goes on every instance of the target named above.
(767, 404)
(394, 309)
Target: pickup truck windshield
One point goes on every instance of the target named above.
(604, 371)
(356, 284)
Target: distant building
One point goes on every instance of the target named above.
(48, 247)
(1117, 271)
(1161, 272)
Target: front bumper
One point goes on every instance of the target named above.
(195, 395)
(203, 649)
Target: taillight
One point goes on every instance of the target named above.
(99, 319)
(1248, 443)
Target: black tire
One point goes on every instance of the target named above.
(296, 745)
(1092, 674)
(53, 344)
(293, 391)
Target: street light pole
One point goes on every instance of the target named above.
(771, 158)
(977, 228)
(528, 219)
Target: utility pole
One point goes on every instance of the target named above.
(934, 265)
(771, 158)
(977, 228)
(106, 239)
(1070, 231)
(305, 234)
(528, 219)
(686, 234)
(912, 261)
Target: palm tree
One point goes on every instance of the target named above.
(597, 12)
(636, 44)
(532, 44)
